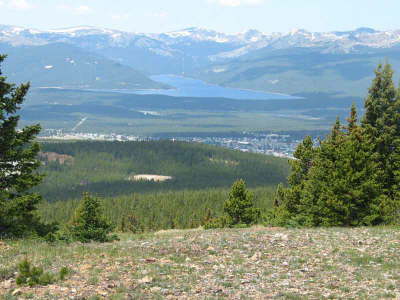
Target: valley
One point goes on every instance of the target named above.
(203, 109)
(199, 81)
(167, 150)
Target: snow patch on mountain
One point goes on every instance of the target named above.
(196, 34)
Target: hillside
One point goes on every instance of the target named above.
(67, 66)
(301, 70)
(109, 168)
(256, 263)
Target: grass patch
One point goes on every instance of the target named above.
(217, 264)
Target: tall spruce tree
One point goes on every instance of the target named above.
(287, 199)
(396, 151)
(342, 189)
(382, 125)
(315, 189)
(18, 164)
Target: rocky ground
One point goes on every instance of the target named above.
(256, 263)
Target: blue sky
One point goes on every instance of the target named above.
(223, 15)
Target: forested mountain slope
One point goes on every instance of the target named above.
(301, 70)
(109, 168)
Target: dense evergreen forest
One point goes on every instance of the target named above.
(104, 168)
(159, 210)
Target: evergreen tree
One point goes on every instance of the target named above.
(313, 189)
(395, 156)
(342, 188)
(287, 199)
(88, 223)
(353, 177)
(382, 94)
(18, 164)
(240, 205)
(382, 125)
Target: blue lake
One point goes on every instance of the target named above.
(188, 87)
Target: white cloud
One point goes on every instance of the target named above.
(19, 4)
(235, 3)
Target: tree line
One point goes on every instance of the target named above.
(146, 212)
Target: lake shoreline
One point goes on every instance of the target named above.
(190, 87)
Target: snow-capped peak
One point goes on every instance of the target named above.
(83, 30)
(197, 34)
(299, 31)
(73, 29)
(93, 38)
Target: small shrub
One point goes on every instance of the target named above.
(215, 223)
(50, 237)
(31, 275)
(63, 273)
(238, 226)
(131, 223)
(279, 217)
(207, 217)
(59, 236)
(6, 273)
(89, 224)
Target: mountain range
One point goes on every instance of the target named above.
(168, 44)
(296, 62)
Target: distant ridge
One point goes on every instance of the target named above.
(343, 40)
(65, 65)
(210, 55)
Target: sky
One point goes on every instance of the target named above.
(228, 16)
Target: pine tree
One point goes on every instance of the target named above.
(333, 184)
(311, 206)
(343, 187)
(240, 205)
(88, 223)
(396, 151)
(287, 199)
(18, 164)
(353, 177)
(382, 125)
(381, 93)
